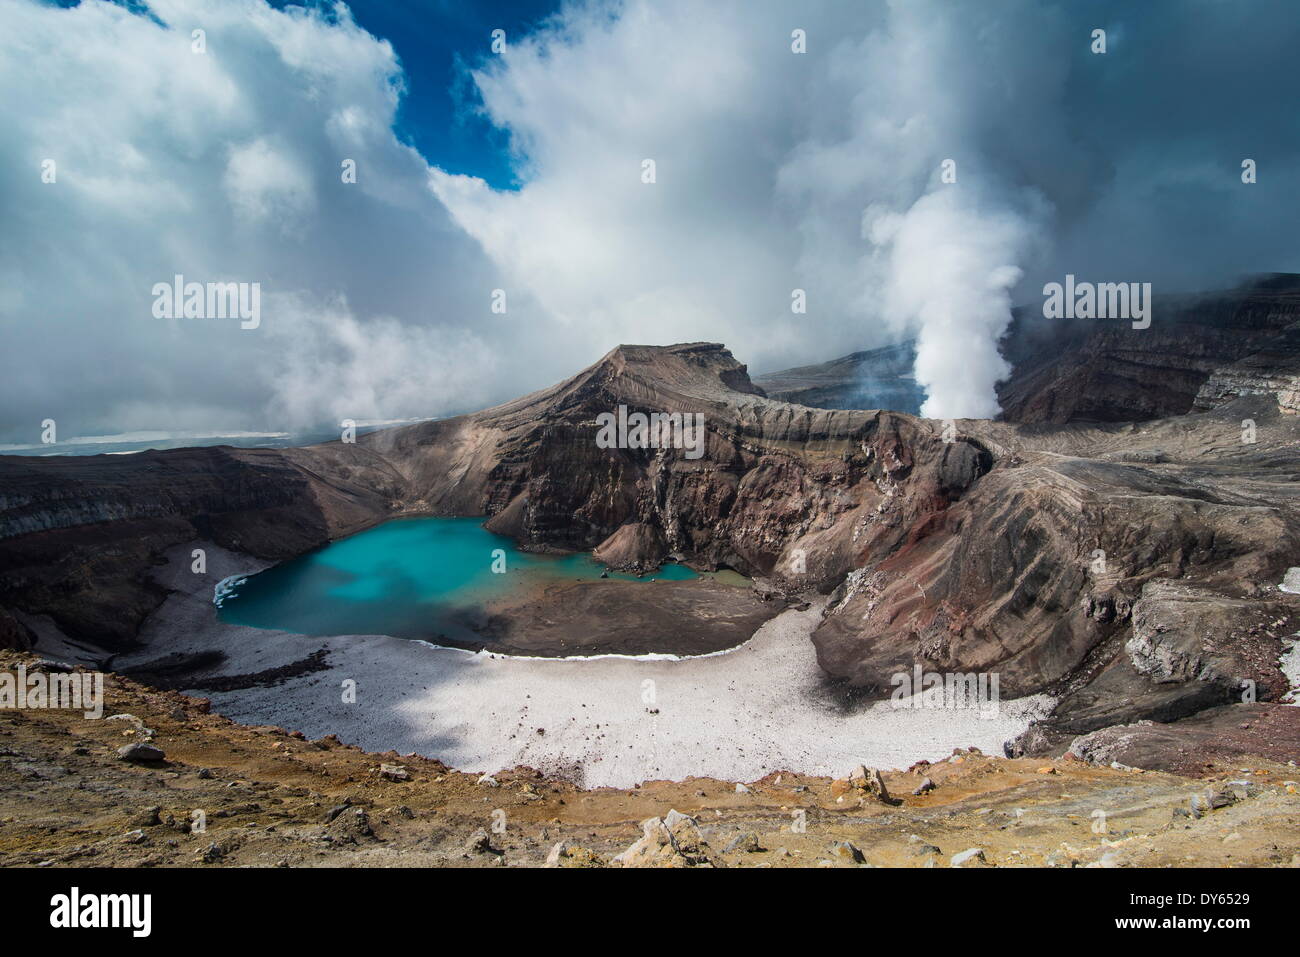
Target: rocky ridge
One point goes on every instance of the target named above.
(1200, 352)
(1081, 560)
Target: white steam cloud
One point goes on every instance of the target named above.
(822, 171)
(766, 161)
(950, 270)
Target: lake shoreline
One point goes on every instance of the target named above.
(452, 582)
(760, 707)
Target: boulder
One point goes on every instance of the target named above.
(869, 781)
(971, 857)
(564, 854)
(148, 817)
(350, 825)
(479, 843)
(846, 852)
(1211, 799)
(670, 841)
(140, 753)
(744, 843)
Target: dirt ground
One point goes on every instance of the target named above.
(621, 617)
(229, 795)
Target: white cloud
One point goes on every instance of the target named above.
(338, 365)
(263, 181)
(222, 166)
(699, 254)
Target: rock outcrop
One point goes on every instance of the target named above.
(79, 534)
(637, 547)
(14, 634)
(673, 840)
(1228, 734)
(1273, 370)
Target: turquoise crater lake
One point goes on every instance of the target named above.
(411, 578)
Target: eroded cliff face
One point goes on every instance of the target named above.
(78, 534)
(1016, 549)
(1078, 573)
(1273, 370)
(1198, 353)
(779, 489)
(1078, 559)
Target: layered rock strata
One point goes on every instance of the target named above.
(1129, 569)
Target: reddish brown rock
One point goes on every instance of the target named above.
(1231, 735)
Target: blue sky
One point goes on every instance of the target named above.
(438, 41)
